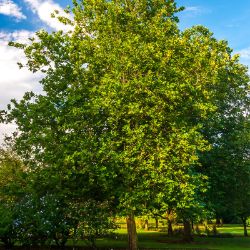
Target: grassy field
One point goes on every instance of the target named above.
(160, 240)
(230, 238)
(233, 229)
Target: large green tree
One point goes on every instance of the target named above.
(125, 97)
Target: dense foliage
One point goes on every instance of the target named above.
(130, 105)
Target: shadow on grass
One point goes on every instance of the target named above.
(87, 248)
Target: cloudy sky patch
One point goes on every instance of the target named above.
(13, 81)
(9, 8)
(44, 9)
(194, 9)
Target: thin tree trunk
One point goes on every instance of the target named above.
(187, 233)
(245, 230)
(170, 216)
(214, 229)
(218, 222)
(8, 244)
(156, 223)
(244, 221)
(170, 228)
(146, 225)
(132, 236)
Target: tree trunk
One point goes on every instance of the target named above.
(170, 228)
(156, 223)
(146, 225)
(8, 244)
(132, 236)
(214, 229)
(218, 222)
(244, 221)
(170, 220)
(187, 233)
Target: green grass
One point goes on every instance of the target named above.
(233, 229)
(153, 239)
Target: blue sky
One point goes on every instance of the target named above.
(227, 19)
(19, 19)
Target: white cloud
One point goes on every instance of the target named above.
(9, 8)
(14, 82)
(245, 57)
(17, 36)
(44, 9)
(231, 25)
(193, 9)
(244, 53)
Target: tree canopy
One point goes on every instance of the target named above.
(127, 102)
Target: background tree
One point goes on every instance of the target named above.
(227, 131)
(228, 167)
(12, 185)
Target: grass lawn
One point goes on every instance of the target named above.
(232, 228)
(158, 240)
